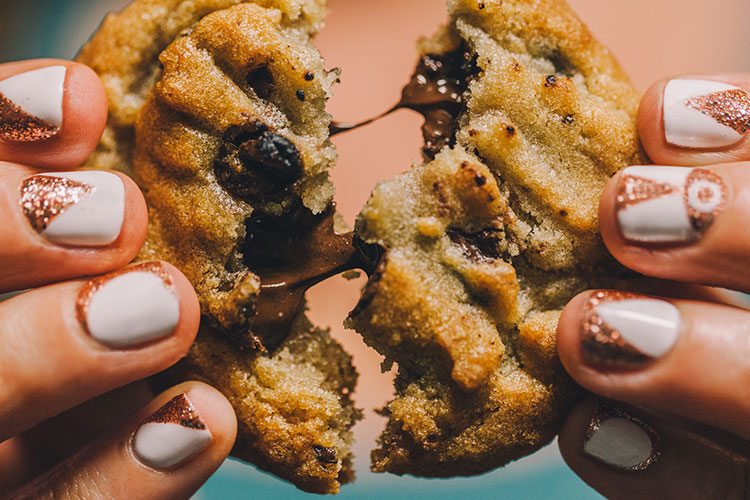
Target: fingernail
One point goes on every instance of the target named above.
(620, 439)
(626, 329)
(705, 114)
(668, 204)
(75, 208)
(171, 435)
(31, 104)
(129, 307)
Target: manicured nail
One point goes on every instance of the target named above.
(171, 435)
(705, 114)
(129, 307)
(626, 329)
(620, 439)
(75, 208)
(668, 204)
(31, 104)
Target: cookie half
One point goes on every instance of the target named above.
(485, 244)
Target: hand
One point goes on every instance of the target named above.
(679, 370)
(72, 338)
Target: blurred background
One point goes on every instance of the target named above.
(373, 40)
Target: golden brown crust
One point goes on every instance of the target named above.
(124, 53)
(293, 407)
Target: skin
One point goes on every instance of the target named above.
(68, 405)
(697, 396)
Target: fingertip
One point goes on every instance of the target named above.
(651, 122)
(84, 115)
(187, 327)
(218, 413)
(568, 343)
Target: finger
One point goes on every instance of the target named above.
(682, 224)
(28, 455)
(681, 357)
(627, 454)
(167, 451)
(65, 225)
(67, 343)
(52, 113)
(698, 120)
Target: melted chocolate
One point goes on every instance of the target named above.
(290, 254)
(436, 91)
(293, 252)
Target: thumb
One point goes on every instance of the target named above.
(168, 451)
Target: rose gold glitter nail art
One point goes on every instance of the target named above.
(731, 108)
(605, 411)
(179, 410)
(17, 125)
(635, 189)
(705, 196)
(44, 197)
(89, 289)
(602, 344)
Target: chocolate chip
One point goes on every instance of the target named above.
(510, 130)
(301, 95)
(568, 119)
(261, 81)
(325, 454)
(255, 162)
(480, 180)
(481, 246)
(563, 213)
(371, 289)
(550, 81)
(481, 5)
(309, 76)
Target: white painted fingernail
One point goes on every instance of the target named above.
(705, 114)
(171, 435)
(84, 208)
(627, 329)
(31, 104)
(668, 204)
(620, 439)
(129, 307)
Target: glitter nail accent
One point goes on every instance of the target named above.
(635, 189)
(602, 344)
(44, 197)
(179, 410)
(730, 108)
(704, 194)
(17, 125)
(705, 197)
(89, 289)
(605, 411)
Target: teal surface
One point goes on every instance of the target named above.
(551, 481)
